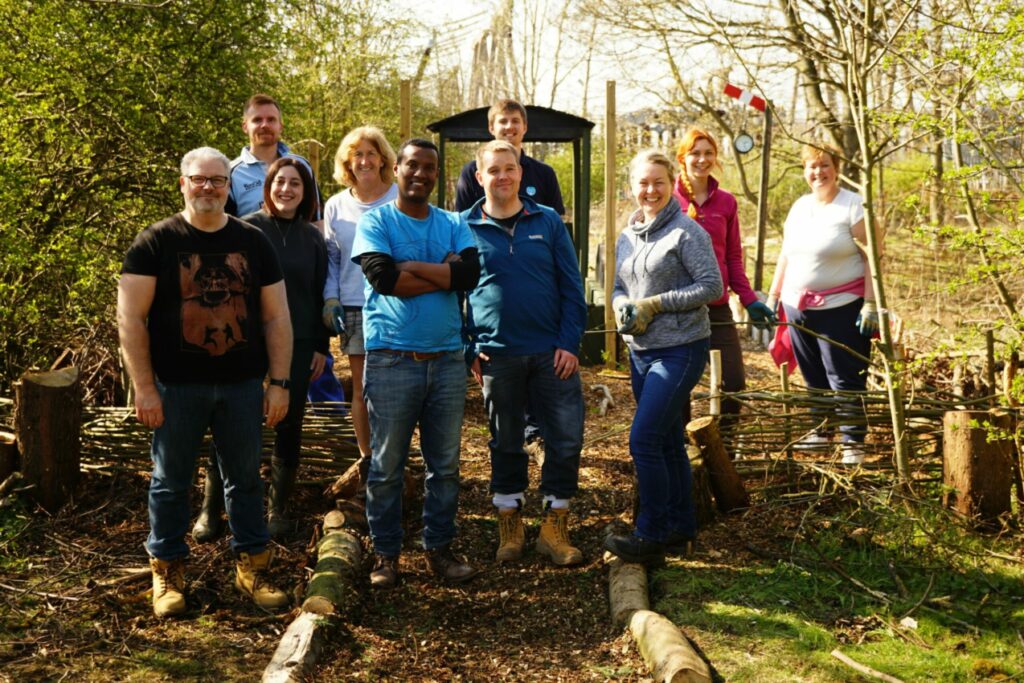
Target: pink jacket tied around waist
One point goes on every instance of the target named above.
(781, 346)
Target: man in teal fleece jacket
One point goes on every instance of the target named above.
(524, 325)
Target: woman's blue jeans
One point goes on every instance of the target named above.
(662, 380)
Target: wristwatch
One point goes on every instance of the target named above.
(283, 383)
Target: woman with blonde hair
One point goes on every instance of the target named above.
(665, 276)
(364, 164)
(715, 210)
(822, 282)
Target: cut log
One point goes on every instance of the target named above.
(666, 651)
(725, 481)
(347, 485)
(8, 454)
(296, 654)
(627, 589)
(703, 502)
(332, 587)
(977, 463)
(47, 420)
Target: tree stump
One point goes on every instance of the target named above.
(8, 454)
(47, 420)
(976, 463)
(725, 481)
(703, 502)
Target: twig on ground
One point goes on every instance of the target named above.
(866, 670)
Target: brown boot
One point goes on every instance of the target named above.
(447, 567)
(553, 540)
(168, 587)
(511, 534)
(251, 579)
(385, 571)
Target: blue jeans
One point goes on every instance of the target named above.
(233, 412)
(510, 384)
(400, 393)
(826, 366)
(662, 380)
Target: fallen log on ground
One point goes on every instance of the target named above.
(339, 555)
(298, 650)
(627, 589)
(666, 650)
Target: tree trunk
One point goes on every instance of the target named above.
(338, 556)
(47, 419)
(977, 470)
(725, 481)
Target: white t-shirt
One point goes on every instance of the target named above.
(341, 213)
(820, 250)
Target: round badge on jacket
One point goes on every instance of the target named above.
(531, 190)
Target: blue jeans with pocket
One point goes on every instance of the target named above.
(233, 412)
(662, 380)
(401, 393)
(510, 383)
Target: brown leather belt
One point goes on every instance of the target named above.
(415, 355)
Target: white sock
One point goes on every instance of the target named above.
(506, 501)
(556, 503)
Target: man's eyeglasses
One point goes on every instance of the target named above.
(217, 181)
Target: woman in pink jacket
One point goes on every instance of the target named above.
(715, 210)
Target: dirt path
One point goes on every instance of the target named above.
(528, 621)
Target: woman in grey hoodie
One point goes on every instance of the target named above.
(666, 274)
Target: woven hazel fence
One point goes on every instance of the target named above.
(112, 437)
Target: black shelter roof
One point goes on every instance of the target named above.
(543, 125)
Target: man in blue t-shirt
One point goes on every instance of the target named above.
(416, 258)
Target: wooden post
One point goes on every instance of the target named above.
(977, 470)
(47, 419)
(762, 199)
(405, 109)
(609, 224)
(715, 380)
(725, 481)
(787, 411)
(990, 362)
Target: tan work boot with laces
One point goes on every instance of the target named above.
(553, 540)
(168, 587)
(511, 534)
(251, 579)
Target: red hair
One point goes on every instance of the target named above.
(690, 138)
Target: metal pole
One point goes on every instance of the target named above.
(762, 198)
(609, 224)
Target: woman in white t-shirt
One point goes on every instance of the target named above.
(823, 282)
(364, 164)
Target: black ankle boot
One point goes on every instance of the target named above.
(210, 523)
(632, 548)
(282, 485)
(679, 544)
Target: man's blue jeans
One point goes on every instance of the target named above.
(400, 393)
(662, 380)
(510, 384)
(233, 412)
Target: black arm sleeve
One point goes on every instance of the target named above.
(380, 271)
(466, 273)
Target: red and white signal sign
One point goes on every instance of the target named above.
(745, 96)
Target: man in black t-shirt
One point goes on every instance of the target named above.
(202, 315)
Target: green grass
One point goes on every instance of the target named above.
(775, 620)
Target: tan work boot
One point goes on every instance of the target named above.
(553, 540)
(511, 534)
(168, 587)
(251, 579)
